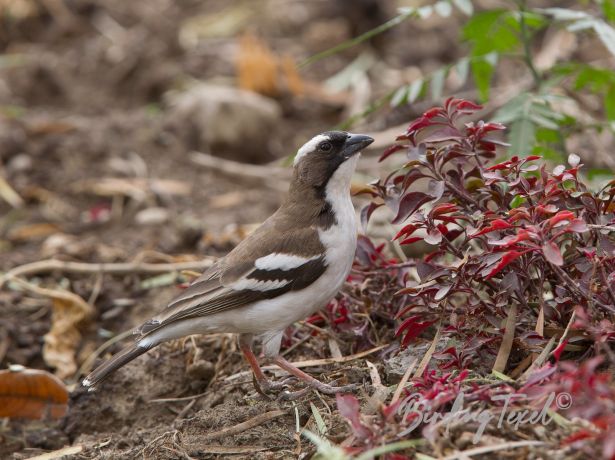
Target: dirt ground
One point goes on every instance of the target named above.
(84, 96)
(90, 92)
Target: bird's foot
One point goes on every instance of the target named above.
(265, 386)
(330, 389)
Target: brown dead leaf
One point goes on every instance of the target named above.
(507, 340)
(31, 393)
(32, 231)
(63, 339)
(51, 127)
(257, 66)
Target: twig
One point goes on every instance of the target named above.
(244, 426)
(538, 361)
(60, 453)
(262, 174)
(429, 353)
(46, 266)
(9, 194)
(507, 340)
(185, 398)
(403, 381)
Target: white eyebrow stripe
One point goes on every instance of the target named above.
(309, 146)
(256, 285)
(280, 261)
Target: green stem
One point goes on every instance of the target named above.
(360, 39)
(525, 38)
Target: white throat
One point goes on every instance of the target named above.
(339, 184)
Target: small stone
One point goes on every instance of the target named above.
(152, 216)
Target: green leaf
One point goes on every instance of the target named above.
(501, 376)
(399, 96)
(437, 84)
(320, 423)
(492, 30)
(517, 201)
(462, 69)
(608, 9)
(399, 445)
(465, 6)
(609, 103)
(414, 90)
(326, 450)
(522, 136)
(606, 34)
(543, 121)
(482, 71)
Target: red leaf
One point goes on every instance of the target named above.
(409, 204)
(433, 237)
(467, 105)
(577, 226)
(348, 406)
(497, 224)
(522, 235)
(413, 327)
(444, 208)
(560, 216)
(432, 113)
(506, 259)
(552, 253)
(548, 209)
(406, 231)
(420, 123)
(412, 239)
(499, 166)
(560, 349)
(391, 150)
(446, 133)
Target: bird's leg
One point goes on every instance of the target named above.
(311, 381)
(261, 383)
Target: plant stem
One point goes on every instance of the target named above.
(360, 39)
(525, 38)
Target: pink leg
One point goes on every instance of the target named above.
(253, 361)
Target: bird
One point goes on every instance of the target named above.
(293, 264)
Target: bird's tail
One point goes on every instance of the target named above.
(114, 363)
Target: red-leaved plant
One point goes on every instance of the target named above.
(512, 234)
(516, 245)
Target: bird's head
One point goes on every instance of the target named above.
(329, 157)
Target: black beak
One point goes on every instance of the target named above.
(355, 143)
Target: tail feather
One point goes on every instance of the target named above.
(114, 363)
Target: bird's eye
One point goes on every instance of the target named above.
(325, 146)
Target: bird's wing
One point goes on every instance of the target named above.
(269, 263)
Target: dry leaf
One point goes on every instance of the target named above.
(63, 339)
(32, 231)
(257, 66)
(31, 393)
